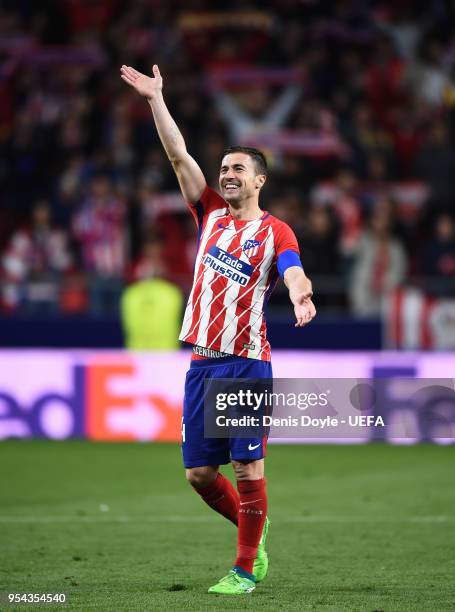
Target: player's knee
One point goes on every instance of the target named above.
(248, 470)
(200, 477)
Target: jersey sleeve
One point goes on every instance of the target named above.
(209, 201)
(287, 250)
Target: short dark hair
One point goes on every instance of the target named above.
(257, 156)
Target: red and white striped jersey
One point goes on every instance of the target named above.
(234, 275)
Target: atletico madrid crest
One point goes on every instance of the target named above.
(251, 247)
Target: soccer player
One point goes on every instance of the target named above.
(241, 251)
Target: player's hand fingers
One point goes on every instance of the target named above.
(128, 73)
(305, 317)
(134, 72)
(128, 80)
(131, 81)
(156, 71)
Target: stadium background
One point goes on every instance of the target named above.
(353, 102)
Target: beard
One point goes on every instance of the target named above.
(232, 197)
(235, 196)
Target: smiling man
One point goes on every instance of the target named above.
(241, 251)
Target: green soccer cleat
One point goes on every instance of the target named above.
(261, 563)
(233, 584)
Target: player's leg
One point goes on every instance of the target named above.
(202, 456)
(215, 489)
(251, 485)
(251, 520)
(247, 456)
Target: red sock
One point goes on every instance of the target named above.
(222, 497)
(252, 513)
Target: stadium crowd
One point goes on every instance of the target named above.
(353, 102)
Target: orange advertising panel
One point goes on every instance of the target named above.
(131, 399)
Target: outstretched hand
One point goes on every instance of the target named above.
(304, 309)
(146, 86)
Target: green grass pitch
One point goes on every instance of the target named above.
(116, 527)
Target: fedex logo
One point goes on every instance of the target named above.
(101, 398)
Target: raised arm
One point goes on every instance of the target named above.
(191, 180)
(300, 294)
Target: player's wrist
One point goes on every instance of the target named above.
(307, 291)
(299, 296)
(154, 96)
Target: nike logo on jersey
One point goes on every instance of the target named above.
(250, 502)
(251, 448)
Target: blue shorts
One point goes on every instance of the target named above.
(198, 450)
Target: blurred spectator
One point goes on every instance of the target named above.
(152, 306)
(342, 196)
(321, 255)
(376, 185)
(167, 215)
(367, 139)
(99, 229)
(406, 128)
(430, 78)
(287, 207)
(385, 79)
(34, 259)
(436, 164)
(379, 266)
(320, 249)
(69, 189)
(438, 257)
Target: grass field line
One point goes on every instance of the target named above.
(106, 518)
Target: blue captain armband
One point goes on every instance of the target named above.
(286, 260)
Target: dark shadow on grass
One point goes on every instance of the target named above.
(176, 587)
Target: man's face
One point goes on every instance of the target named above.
(238, 178)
